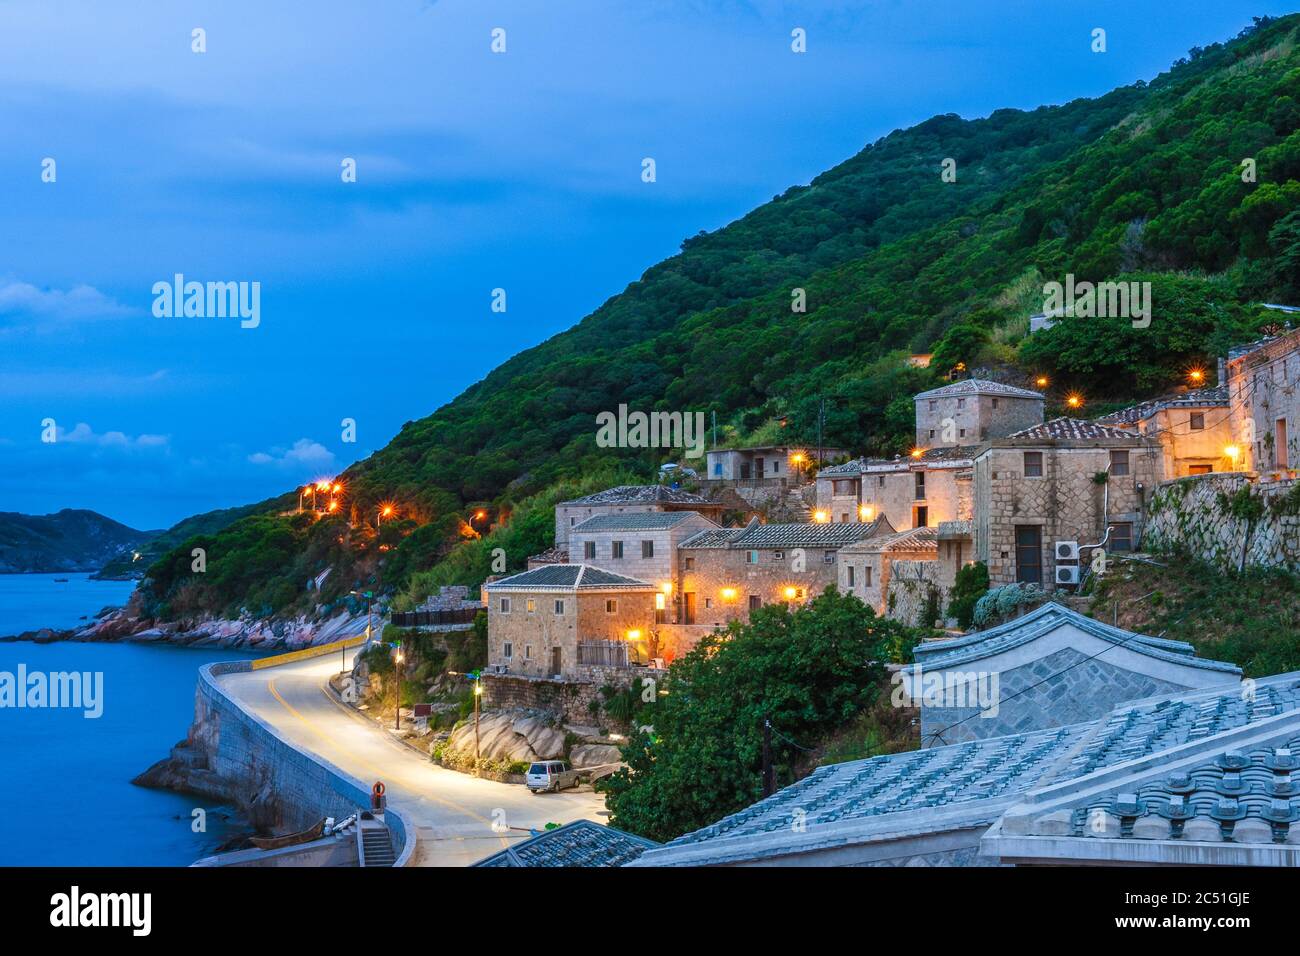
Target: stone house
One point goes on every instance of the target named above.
(1263, 381)
(629, 499)
(725, 573)
(865, 566)
(554, 620)
(914, 492)
(973, 410)
(1042, 487)
(1048, 668)
(770, 463)
(640, 545)
(1194, 429)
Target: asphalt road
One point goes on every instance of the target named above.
(454, 813)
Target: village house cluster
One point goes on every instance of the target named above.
(640, 573)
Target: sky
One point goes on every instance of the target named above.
(476, 170)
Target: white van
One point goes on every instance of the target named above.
(550, 775)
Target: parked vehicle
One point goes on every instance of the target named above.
(550, 775)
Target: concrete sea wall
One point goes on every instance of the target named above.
(259, 766)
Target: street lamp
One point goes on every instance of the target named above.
(397, 681)
(477, 678)
(384, 512)
(369, 596)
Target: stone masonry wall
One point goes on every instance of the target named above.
(911, 584)
(1228, 520)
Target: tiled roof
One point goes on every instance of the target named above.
(858, 466)
(641, 495)
(1213, 397)
(915, 539)
(566, 577)
(1045, 619)
(978, 386)
(555, 555)
(974, 783)
(634, 521)
(782, 536)
(1072, 429)
(580, 843)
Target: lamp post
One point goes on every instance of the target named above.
(369, 596)
(397, 682)
(478, 692)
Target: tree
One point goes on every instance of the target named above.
(808, 670)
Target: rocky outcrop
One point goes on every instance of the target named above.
(594, 755)
(507, 735)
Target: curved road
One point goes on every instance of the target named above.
(453, 813)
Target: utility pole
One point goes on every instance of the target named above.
(769, 774)
(715, 430)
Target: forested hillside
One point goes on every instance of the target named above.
(1144, 183)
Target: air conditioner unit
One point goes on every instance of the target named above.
(1067, 574)
(1067, 551)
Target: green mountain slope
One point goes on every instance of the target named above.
(1145, 182)
(69, 540)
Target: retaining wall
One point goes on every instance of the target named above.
(1228, 520)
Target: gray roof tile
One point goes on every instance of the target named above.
(641, 495)
(581, 843)
(566, 577)
(634, 521)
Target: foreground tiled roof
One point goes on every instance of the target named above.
(1072, 429)
(566, 577)
(1214, 397)
(1047, 618)
(634, 521)
(978, 386)
(915, 539)
(580, 843)
(782, 536)
(641, 495)
(974, 783)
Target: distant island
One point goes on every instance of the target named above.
(74, 540)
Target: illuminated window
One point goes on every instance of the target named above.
(530, 605)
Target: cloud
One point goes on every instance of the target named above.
(83, 434)
(305, 453)
(25, 306)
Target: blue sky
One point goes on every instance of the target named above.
(475, 171)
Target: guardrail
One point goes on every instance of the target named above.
(319, 650)
(460, 615)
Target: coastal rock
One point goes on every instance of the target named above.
(504, 735)
(594, 755)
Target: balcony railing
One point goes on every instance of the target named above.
(460, 615)
(603, 653)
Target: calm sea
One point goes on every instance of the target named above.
(67, 798)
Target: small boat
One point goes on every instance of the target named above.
(290, 839)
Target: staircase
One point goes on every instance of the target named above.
(795, 507)
(374, 845)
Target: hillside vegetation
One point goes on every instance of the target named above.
(69, 540)
(1144, 183)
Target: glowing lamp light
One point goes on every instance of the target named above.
(1232, 451)
(666, 587)
(728, 594)
(1041, 381)
(634, 635)
(790, 594)
(917, 452)
(1074, 401)
(821, 517)
(337, 488)
(1196, 376)
(388, 509)
(334, 506)
(865, 512)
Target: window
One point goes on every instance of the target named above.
(932, 434)
(507, 650)
(1197, 421)
(995, 403)
(647, 549)
(559, 607)
(616, 549)
(919, 482)
(920, 517)
(1033, 464)
(751, 557)
(1119, 463)
(1029, 554)
(1280, 451)
(755, 602)
(1199, 469)
(1121, 539)
(961, 433)
(660, 602)
(842, 486)
(690, 564)
(611, 605)
(828, 557)
(530, 605)
(850, 575)
(866, 576)
(589, 549)
(881, 481)
(505, 605)
(572, 522)
(528, 652)
(776, 465)
(934, 403)
(717, 469)
(961, 403)
(708, 603)
(778, 555)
